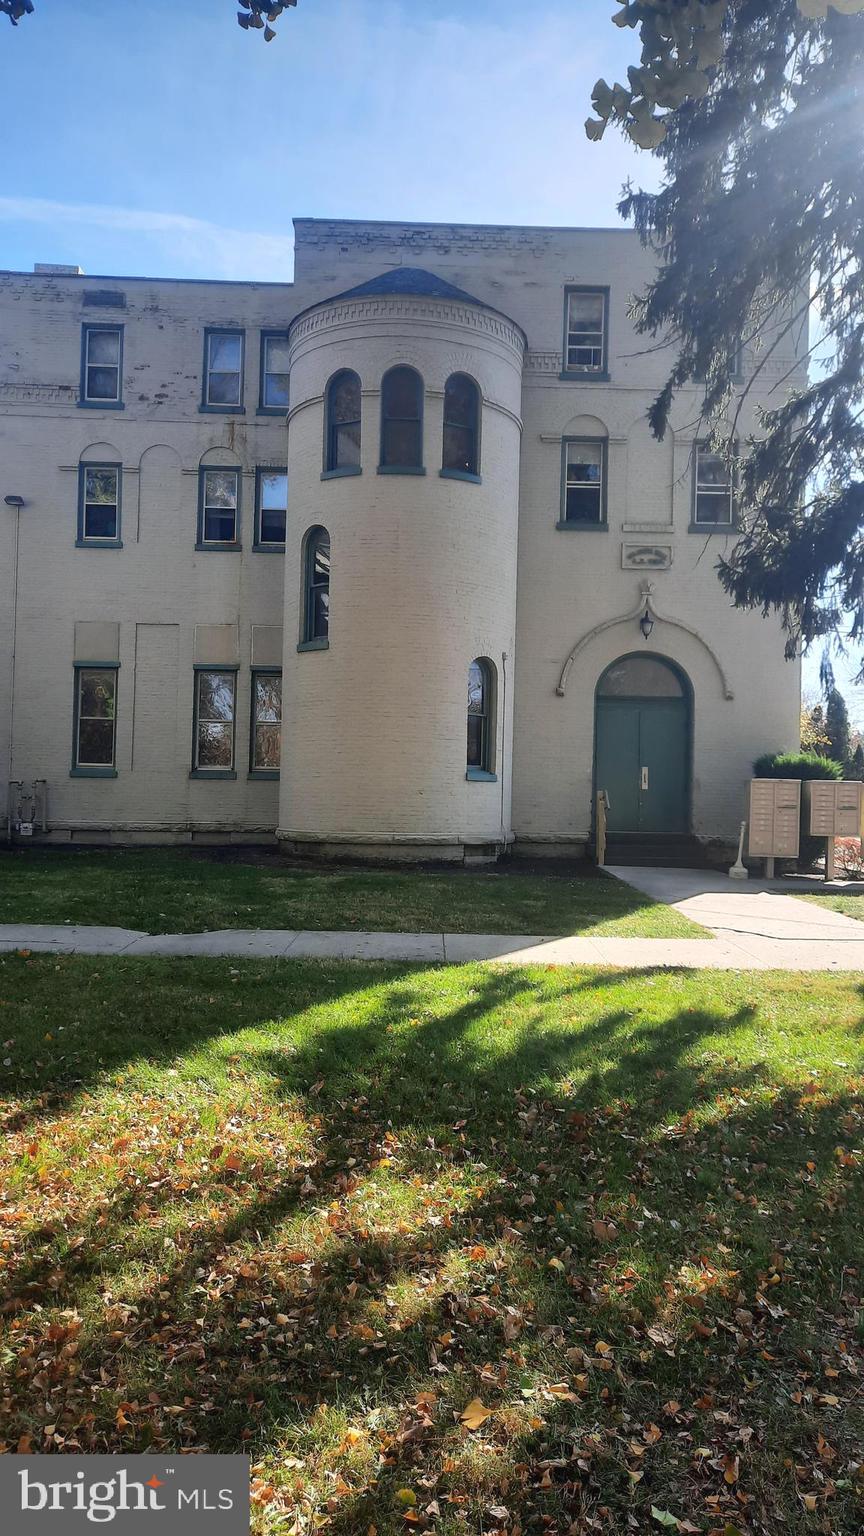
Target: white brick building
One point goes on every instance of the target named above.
(234, 507)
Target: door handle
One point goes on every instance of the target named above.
(644, 778)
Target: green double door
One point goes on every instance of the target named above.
(643, 763)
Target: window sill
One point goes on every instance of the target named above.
(481, 776)
(263, 773)
(98, 543)
(269, 410)
(210, 549)
(314, 645)
(574, 525)
(724, 528)
(213, 773)
(263, 549)
(92, 773)
(401, 469)
(586, 376)
(341, 474)
(222, 410)
(460, 474)
(101, 405)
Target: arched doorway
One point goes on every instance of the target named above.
(642, 745)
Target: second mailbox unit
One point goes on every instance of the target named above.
(834, 809)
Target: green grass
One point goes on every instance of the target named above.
(167, 891)
(313, 1211)
(850, 906)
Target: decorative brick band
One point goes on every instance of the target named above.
(330, 316)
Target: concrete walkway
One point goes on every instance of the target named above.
(760, 919)
(754, 927)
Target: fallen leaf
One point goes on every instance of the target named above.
(476, 1414)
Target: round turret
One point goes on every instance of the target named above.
(400, 572)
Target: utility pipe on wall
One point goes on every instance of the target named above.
(17, 502)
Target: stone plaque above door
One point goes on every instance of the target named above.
(646, 556)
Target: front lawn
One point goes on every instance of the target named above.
(172, 891)
(461, 1250)
(838, 901)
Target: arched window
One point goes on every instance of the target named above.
(401, 420)
(461, 426)
(640, 677)
(481, 718)
(343, 424)
(316, 600)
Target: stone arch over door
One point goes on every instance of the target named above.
(643, 714)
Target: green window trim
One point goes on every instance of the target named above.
(219, 408)
(268, 546)
(254, 723)
(89, 402)
(218, 770)
(338, 434)
(228, 545)
(386, 465)
(482, 719)
(104, 770)
(585, 525)
(100, 541)
(265, 373)
(460, 474)
(469, 428)
(705, 526)
(599, 375)
(316, 571)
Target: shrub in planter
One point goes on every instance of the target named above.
(800, 765)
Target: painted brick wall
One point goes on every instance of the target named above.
(447, 552)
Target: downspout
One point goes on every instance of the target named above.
(503, 742)
(17, 506)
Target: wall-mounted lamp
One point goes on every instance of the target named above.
(646, 623)
(15, 501)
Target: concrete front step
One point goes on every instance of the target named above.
(657, 853)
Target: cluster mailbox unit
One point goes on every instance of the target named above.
(834, 810)
(775, 820)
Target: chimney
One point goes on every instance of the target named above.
(53, 269)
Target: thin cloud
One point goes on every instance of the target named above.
(196, 243)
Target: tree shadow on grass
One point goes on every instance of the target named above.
(663, 1184)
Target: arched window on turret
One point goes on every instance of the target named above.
(316, 588)
(402, 422)
(461, 454)
(342, 425)
(481, 719)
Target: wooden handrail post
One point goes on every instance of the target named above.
(601, 825)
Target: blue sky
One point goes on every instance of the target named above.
(152, 137)
(156, 138)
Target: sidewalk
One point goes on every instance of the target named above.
(753, 927)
